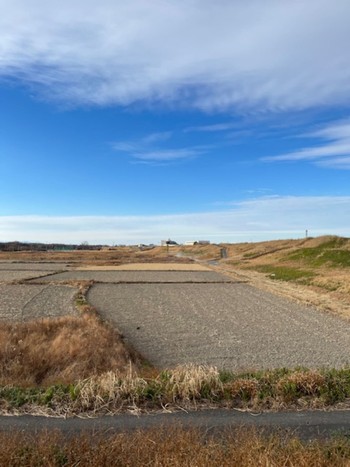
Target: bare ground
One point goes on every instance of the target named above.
(232, 326)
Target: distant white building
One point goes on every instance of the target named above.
(167, 242)
(197, 242)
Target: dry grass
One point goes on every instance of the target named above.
(113, 256)
(191, 382)
(170, 447)
(61, 350)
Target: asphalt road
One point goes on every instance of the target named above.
(306, 425)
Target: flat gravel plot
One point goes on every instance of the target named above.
(33, 266)
(139, 276)
(9, 276)
(21, 302)
(21, 271)
(232, 326)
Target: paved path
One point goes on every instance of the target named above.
(306, 425)
(232, 326)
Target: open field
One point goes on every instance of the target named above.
(190, 316)
(231, 322)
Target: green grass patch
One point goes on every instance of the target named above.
(251, 255)
(284, 273)
(330, 253)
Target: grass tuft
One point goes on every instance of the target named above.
(191, 382)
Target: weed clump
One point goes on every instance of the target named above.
(62, 350)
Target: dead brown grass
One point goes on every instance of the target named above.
(113, 256)
(62, 350)
(170, 447)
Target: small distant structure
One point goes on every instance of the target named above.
(168, 242)
(197, 242)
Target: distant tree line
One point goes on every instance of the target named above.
(28, 246)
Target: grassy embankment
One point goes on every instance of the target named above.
(321, 262)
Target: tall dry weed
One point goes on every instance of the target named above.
(62, 350)
(190, 382)
(110, 390)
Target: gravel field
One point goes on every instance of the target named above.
(10, 276)
(174, 317)
(22, 302)
(232, 326)
(10, 272)
(32, 266)
(139, 276)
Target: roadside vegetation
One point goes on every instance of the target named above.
(187, 387)
(171, 447)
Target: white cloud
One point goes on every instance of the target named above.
(146, 151)
(166, 155)
(212, 55)
(258, 219)
(334, 153)
(217, 127)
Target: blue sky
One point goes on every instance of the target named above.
(129, 122)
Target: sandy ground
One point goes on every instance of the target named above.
(147, 267)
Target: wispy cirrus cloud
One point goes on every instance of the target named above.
(334, 152)
(220, 55)
(261, 218)
(148, 150)
(216, 127)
